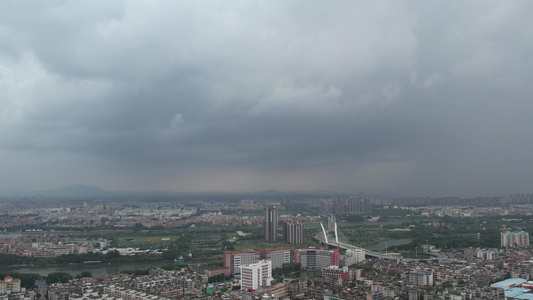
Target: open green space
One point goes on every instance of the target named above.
(263, 244)
(256, 245)
(151, 238)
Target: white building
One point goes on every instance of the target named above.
(514, 238)
(484, 254)
(352, 257)
(235, 259)
(421, 278)
(9, 285)
(278, 256)
(256, 275)
(359, 254)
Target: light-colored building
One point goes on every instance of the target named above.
(421, 278)
(44, 254)
(279, 291)
(9, 285)
(485, 254)
(235, 259)
(256, 275)
(278, 256)
(313, 257)
(514, 239)
(358, 254)
(352, 257)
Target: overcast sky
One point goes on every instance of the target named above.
(409, 97)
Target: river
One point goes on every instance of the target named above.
(388, 244)
(95, 269)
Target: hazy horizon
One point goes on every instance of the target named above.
(88, 190)
(388, 97)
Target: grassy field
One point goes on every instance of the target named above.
(260, 245)
(257, 245)
(151, 238)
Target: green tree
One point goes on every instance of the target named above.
(112, 255)
(27, 280)
(57, 277)
(84, 274)
(136, 271)
(447, 285)
(219, 278)
(65, 278)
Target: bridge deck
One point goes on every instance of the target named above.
(321, 238)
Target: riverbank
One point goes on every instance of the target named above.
(388, 244)
(95, 269)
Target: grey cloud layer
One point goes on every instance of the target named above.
(409, 97)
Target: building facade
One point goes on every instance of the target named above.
(514, 239)
(293, 232)
(278, 291)
(256, 275)
(346, 205)
(352, 257)
(312, 257)
(235, 259)
(336, 272)
(421, 278)
(271, 223)
(278, 256)
(358, 254)
(9, 285)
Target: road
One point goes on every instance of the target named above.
(371, 253)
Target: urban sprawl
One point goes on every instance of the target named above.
(268, 247)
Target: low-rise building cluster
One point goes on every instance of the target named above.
(464, 274)
(46, 245)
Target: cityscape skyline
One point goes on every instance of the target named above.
(334, 201)
(214, 247)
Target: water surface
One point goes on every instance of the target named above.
(95, 269)
(388, 244)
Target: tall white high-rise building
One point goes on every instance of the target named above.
(256, 275)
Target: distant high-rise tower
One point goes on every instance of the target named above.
(293, 232)
(271, 224)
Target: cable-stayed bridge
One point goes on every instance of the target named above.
(332, 228)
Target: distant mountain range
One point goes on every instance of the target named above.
(78, 190)
(86, 191)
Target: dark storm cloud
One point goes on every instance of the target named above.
(409, 97)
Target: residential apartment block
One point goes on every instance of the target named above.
(256, 275)
(316, 257)
(514, 239)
